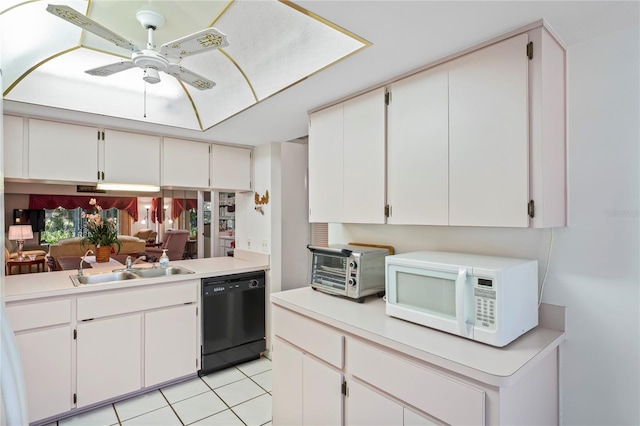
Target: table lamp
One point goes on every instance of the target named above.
(20, 233)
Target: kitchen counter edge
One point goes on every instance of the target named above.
(52, 284)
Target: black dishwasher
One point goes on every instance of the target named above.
(233, 320)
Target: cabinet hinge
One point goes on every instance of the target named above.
(387, 211)
(530, 50)
(531, 209)
(387, 98)
(75, 398)
(343, 388)
(75, 334)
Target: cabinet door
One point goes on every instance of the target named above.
(364, 158)
(230, 168)
(287, 384)
(418, 149)
(488, 136)
(326, 165)
(367, 407)
(131, 158)
(109, 354)
(321, 396)
(169, 344)
(411, 418)
(13, 144)
(62, 152)
(185, 164)
(46, 364)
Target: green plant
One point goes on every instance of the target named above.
(101, 233)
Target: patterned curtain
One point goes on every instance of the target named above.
(129, 204)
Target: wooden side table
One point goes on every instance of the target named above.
(39, 262)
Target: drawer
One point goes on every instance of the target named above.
(310, 336)
(434, 393)
(42, 314)
(125, 301)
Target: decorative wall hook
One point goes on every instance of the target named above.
(262, 199)
(259, 210)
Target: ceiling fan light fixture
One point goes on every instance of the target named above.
(151, 75)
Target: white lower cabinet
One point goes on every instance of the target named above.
(369, 407)
(83, 350)
(321, 397)
(44, 333)
(287, 364)
(308, 364)
(323, 374)
(108, 358)
(308, 390)
(46, 365)
(169, 344)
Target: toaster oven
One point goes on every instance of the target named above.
(348, 270)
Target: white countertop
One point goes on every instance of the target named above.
(368, 320)
(227, 237)
(50, 284)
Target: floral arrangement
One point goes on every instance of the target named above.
(101, 233)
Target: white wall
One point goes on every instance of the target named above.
(295, 215)
(594, 269)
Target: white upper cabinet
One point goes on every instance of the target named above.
(489, 136)
(364, 158)
(185, 164)
(417, 151)
(62, 152)
(547, 100)
(129, 158)
(326, 164)
(13, 146)
(347, 161)
(230, 168)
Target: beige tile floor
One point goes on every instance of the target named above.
(239, 395)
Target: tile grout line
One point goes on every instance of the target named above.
(171, 406)
(223, 401)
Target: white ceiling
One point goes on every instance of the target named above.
(405, 35)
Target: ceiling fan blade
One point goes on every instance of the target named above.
(190, 77)
(77, 18)
(202, 41)
(107, 70)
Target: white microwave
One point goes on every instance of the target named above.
(489, 299)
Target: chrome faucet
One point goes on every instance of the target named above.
(129, 263)
(80, 273)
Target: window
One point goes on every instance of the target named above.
(61, 223)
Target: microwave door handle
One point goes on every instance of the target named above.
(461, 316)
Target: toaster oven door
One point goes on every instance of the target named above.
(329, 270)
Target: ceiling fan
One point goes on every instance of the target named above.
(149, 59)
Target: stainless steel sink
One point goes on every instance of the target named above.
(103, 278)
(160, 272)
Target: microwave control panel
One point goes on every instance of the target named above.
(485, 300)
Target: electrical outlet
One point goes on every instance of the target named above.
(265, 245)
(249, 243)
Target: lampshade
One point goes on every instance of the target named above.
(20, 232)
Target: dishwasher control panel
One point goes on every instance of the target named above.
(230, 283)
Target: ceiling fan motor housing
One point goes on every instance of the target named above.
(150, 59)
